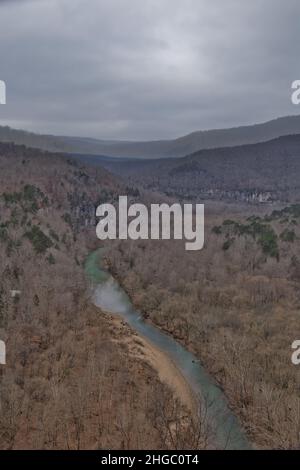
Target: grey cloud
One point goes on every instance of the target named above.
(142, 70)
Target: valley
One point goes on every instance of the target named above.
(73, 378)
(233, 306)
(155, 149)
(149, 232)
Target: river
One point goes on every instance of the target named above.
(108, 295)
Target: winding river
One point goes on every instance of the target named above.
(108, 295)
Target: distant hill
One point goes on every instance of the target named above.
(259, 173)
(157, 149)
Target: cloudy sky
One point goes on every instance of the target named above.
(146, 69)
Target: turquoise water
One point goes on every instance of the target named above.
(108, 295)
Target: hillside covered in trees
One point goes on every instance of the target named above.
(75, 377)
(267, 172)
(235, 304)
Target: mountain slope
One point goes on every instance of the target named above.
(157, 149)
(263, 172)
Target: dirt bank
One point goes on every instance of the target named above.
(141, 348)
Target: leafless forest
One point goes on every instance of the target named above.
(235, 304)
(78, 378)
(72, 378)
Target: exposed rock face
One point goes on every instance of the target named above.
(249, 196)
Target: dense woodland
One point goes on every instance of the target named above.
(267, 172)
(236, 305)
(76, 379)
(71, 381)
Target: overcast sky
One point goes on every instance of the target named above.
(146, 69)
